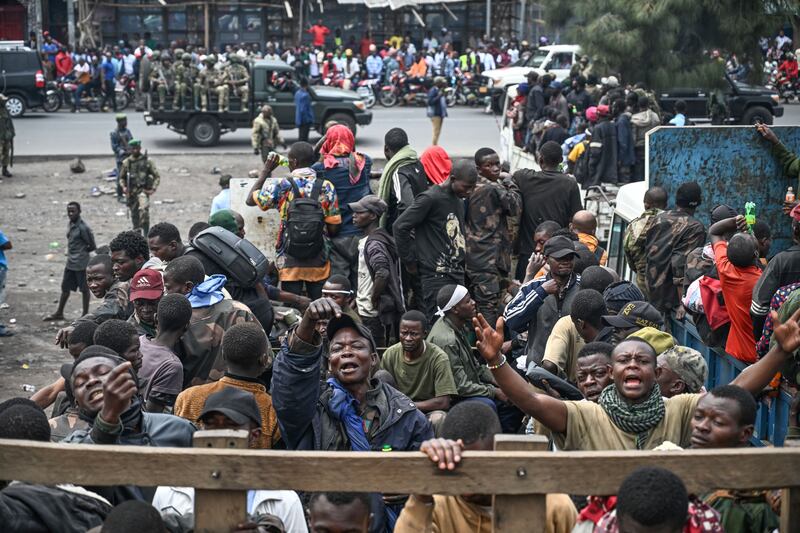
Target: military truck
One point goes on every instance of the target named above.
(272, 82)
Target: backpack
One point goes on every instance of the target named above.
(581, 171)
(242, 262)
(713, 303)
(305, 223)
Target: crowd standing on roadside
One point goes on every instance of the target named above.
(455, 303)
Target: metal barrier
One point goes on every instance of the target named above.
(520, 480)
(772, 419)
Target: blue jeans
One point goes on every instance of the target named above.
(3, 274)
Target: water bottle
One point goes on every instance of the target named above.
(790, 196)
(750, 215)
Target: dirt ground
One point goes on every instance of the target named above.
(36, 224)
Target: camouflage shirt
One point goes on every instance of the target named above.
(634, 239)
(209, 77)
(699, 262)
(201, 346)
(115, 304)
(139, 173)
(669, 240)
(487, 234)
(236, 74)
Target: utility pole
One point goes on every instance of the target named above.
(488, 18)
(71, 23)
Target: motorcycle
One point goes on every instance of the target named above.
(408, 90)
(124, 91)
(368, 89)
(52, 97)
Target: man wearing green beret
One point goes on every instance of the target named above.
(139, 179)
(120, 144)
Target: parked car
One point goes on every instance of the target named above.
(747, 104)
(21, 77)
(274, 83)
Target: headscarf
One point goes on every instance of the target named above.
(638, 419)
(224, 219)
(437, 164)
(458, 294)
(339, 142)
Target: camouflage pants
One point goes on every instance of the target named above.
(5, 153)
(485, 290)
(224, 100)
(162, 89)
(183, 93)
(139, 207)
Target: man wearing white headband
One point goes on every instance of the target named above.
(473, 380)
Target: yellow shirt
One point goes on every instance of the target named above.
(451, 514)
(190, 404)
(563, 346)
(590, 429)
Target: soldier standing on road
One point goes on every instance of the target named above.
(6, 138)
(266, 133)
(140, 180)
(488, 238)
(162, 79)
(235, 79)
(120, 145)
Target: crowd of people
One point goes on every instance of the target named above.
(449, 303)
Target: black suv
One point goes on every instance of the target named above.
(21, 78)
(747, 104)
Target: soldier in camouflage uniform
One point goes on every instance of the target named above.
(140, 180)
(185, 74)
(235, 80)
(266, 133)
(655, 201)
(207, 80)
(162, 80)
(488, 238)
(669, 240)
(6, 137)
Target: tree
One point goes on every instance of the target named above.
(666, 43)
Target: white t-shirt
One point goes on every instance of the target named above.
(79, 69)
(365, 285)
(285, 504)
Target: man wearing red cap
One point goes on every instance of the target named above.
(147, 287)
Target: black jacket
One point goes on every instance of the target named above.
(26, 508)
(380, 253)
(603, 150)
(534, 104)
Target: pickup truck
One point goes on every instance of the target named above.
(271, 82)
(747, 104)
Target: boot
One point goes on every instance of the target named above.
(6, 173)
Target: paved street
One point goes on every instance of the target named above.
(464, 131)
(38, 133)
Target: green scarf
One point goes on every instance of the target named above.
(404, 156)
(638, 418)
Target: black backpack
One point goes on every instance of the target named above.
(305, 223)
(239, 258)
(581, 171)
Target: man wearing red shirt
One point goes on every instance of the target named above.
(366, 43)
(319, 33)
(737, 263)
(63, 63)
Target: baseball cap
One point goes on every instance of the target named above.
(721, 212)
(634, 314)
(618, 294)
(661, 341)
(347, 321)
(371, 203)
(146, 284)
(559, 247)
(237, 404)
(688, 364)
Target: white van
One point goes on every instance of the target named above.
(556, 59)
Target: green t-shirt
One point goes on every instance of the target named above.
(428, 377)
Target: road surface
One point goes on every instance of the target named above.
(65, 133)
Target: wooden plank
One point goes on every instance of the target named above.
(219, 510)
(402, 472)
(519, 512)
(790, 499)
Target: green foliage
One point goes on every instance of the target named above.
(666, 43)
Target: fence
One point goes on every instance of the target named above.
(518, 479)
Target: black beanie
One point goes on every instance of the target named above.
(689, 195)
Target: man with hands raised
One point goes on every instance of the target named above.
(630, 413)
